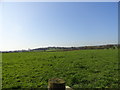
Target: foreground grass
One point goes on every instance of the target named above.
(80, 69)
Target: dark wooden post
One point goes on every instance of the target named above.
(56, 84)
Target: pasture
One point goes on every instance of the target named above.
(80, 68)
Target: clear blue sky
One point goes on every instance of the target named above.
(36, 24)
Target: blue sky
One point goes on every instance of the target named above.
(37, 24)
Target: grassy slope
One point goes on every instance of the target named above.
(0, 71)
(80, 69)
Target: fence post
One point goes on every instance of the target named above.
(56, 84)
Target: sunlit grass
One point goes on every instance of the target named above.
(80, 69)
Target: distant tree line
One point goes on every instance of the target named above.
(109, 46)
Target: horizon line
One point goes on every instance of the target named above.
(59, 46)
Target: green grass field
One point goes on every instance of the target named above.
(80, 69)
